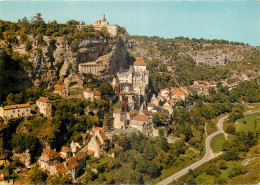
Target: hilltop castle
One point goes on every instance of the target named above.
(112, 29)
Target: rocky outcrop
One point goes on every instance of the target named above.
(24, 157)
(57, 62)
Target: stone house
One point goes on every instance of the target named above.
(14, 111)
(134, 79)
(75, 147)
(168, 106)
(169, 69)
(61, 90)
(65, 152)
(45, 106)
(119, 119)
(48, 160)
(143, 123)
(72, 165)
(165, 94)
(129, 97)
(90, 67)
(131, 114)
(97, 142)
(92, 95)
(177, 93)
(150, 106)
(200, 83)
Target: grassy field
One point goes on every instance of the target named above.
(216, 142)
(252, 106)
(250, 122)
(251, 162)
(205, 178)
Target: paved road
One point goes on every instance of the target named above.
(208, 155)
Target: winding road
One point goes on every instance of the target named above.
(208, 155)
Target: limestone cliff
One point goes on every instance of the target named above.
(57, 62)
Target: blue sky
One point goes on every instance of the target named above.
(211, 19)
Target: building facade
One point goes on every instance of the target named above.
(90, 67)
(45, 106)
(135, 79)
(111, 29)
(14, 111)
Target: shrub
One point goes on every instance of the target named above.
(231, 129)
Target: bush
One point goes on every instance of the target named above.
(231, 129)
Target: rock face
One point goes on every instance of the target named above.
(57, 61)
(25, 157)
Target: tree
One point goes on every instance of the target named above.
(231, 154)
(37, 176)
(213, 170)
(10, 99)
(231, 129)
(60, 179)
(28, 45)
(106, 89)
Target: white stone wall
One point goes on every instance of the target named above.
(14, 113)
(92, 145)
(45, 108)
(89, 95)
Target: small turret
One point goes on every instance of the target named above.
(104, 18)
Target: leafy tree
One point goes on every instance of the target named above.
(37, 176)
(106, 89)
(231, 129)
(28, 45)
(231, 154)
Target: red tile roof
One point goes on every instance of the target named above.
(60, 168)
(150, 105)
(44, 99)
(49, 154)
(141, 117)
(139, 61)
(137, 122)
(133, 112)
(103, 135)
(90, 152)
(80, 155)
(88, 90)
(146, 112)
(105, 128)
(71, 163)
(17, 106)
(59, 88)
(84, 136)
(89, 64)
(97, 93)
(178, 93)
(65, 149)
(117, 111)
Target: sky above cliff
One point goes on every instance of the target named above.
(233, 20)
